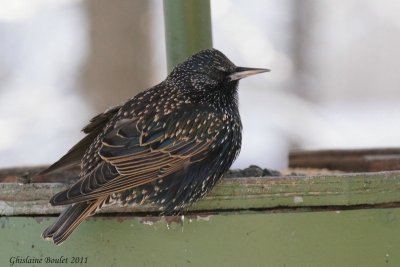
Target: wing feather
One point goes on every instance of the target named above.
(135, 153)
(75, 154)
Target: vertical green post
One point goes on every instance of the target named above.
(187, 28)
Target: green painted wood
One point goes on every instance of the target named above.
(378, 188)
(369, 237)
(187, 29)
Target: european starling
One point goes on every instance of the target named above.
(167, 146)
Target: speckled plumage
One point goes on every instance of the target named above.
(168, 145)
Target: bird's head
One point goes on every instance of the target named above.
(211, 70)
(210, 76)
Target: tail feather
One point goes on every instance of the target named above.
(69, 219)
(73, 156)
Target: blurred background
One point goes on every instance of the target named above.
(334, 82)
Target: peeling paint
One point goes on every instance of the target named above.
(298, 199)
(41, 219)
(147, 222)
(3, 222)
(203, 218)
(174, 219)
(150, 220)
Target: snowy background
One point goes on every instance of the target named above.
(334, 83)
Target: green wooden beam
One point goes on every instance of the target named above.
(348, 190)
(187, 28)
(243, 224)
(347, 238)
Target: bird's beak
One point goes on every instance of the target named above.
(241, 72)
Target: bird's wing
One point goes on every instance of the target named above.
(75, 154)
(136, 152)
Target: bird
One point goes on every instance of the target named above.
(167, 146)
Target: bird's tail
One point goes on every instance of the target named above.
(69, 219)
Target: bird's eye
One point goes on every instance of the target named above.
(201, 81)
